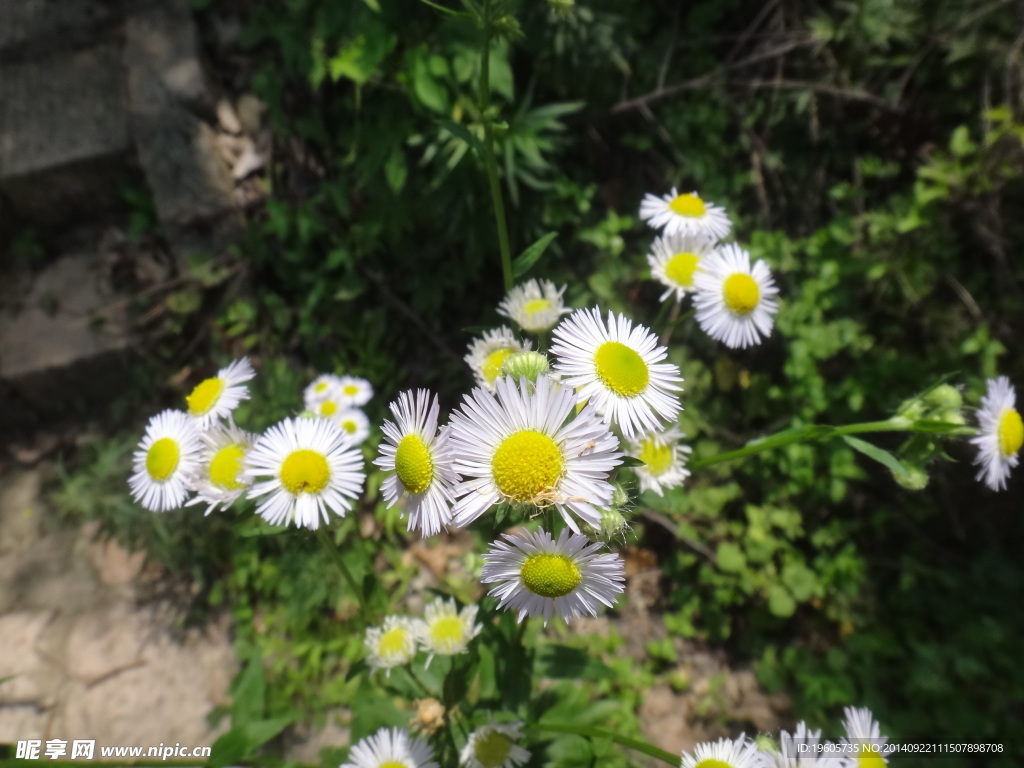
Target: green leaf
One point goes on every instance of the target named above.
(800, 580)
(529, 257)
(249, 692)
(243, 740)
(563, 661)
(632, 461)
(430, 91)
(872, 451)
(730, 557)
(780, 601)
(395, 170)
(359, 57)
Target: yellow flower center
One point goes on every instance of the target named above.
(657, 457)
(225, 466)
(414, 464)
(392, 643)
(741, 293)
(492, 363)
(350, 426)
(550, 575)
(680, 269)
(1011, 433)
(328, 408)
(492, 749)
(688, 205)
(162, 458)
(393, 764)
(534, 306)
(870, 756)
(204, 396)
(350, 389)
(305, 471)
(526, 465)
(621, 369)
(447, 632)
(713, 763)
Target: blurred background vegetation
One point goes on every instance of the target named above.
(869, 150)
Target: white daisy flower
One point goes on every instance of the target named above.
(312, 468)
(735, 302)
(664, 459)
(493, 746)
(517, 447)
(1000, 435)
(329, 406)
(685, 215)
(355, 391)
(674, 260)
(421, 459)
(534, 306)
(320, 389)
(444, 630)
(618, 368)
(391, 748)
(725, 753)
(216, 397)
(219, 482)
(392, 644)
(487, 355)
(539, 576)
(804, 749)
(165, 461)
(864, 732)
(354, 423)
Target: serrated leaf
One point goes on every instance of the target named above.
(530, 256)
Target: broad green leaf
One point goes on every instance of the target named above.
(730, 557)
(780, 601)
(872, 451)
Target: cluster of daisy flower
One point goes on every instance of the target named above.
(734, 300)
(489, 746)
(300, 468)
(444, 630)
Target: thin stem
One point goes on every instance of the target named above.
(331, 546)
(488, 145)
(600, 733)
(813, 433)
(420, 683)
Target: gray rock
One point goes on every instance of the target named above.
(33, 27)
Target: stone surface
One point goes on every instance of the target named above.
(65, 146)
(37, 27)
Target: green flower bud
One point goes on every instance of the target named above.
(913, 479)
(528, 364)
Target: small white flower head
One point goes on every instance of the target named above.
(355, 391)
(391, 748)
(618, 368)
(534, 306)
(165, 462)
(216, 397)
(539, 576)
(734, 301)
(685, 214)
(674, 260)
(1000, 434)
(518, 446)
(329, 406)
(664, 459)
(219, 481)
(725, 753)
(321, 388)
(421, 460)
(804, 749)
(487, 355)
(392, 644)
(494, 746)
(444, 630)
(312, 468)
(354, 423)
(864, 733)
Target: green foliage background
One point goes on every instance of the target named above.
(870, 151)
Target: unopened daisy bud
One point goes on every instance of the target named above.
(620, 496)
(429, 716)
(945, 397)
(912, 478)
(528, 364)
(308, 415)
(613, 525)
(494, 746)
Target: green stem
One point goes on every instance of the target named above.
(812, 433)
(331, 546)
(420, 683)
(600, 733)
(488, 145)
